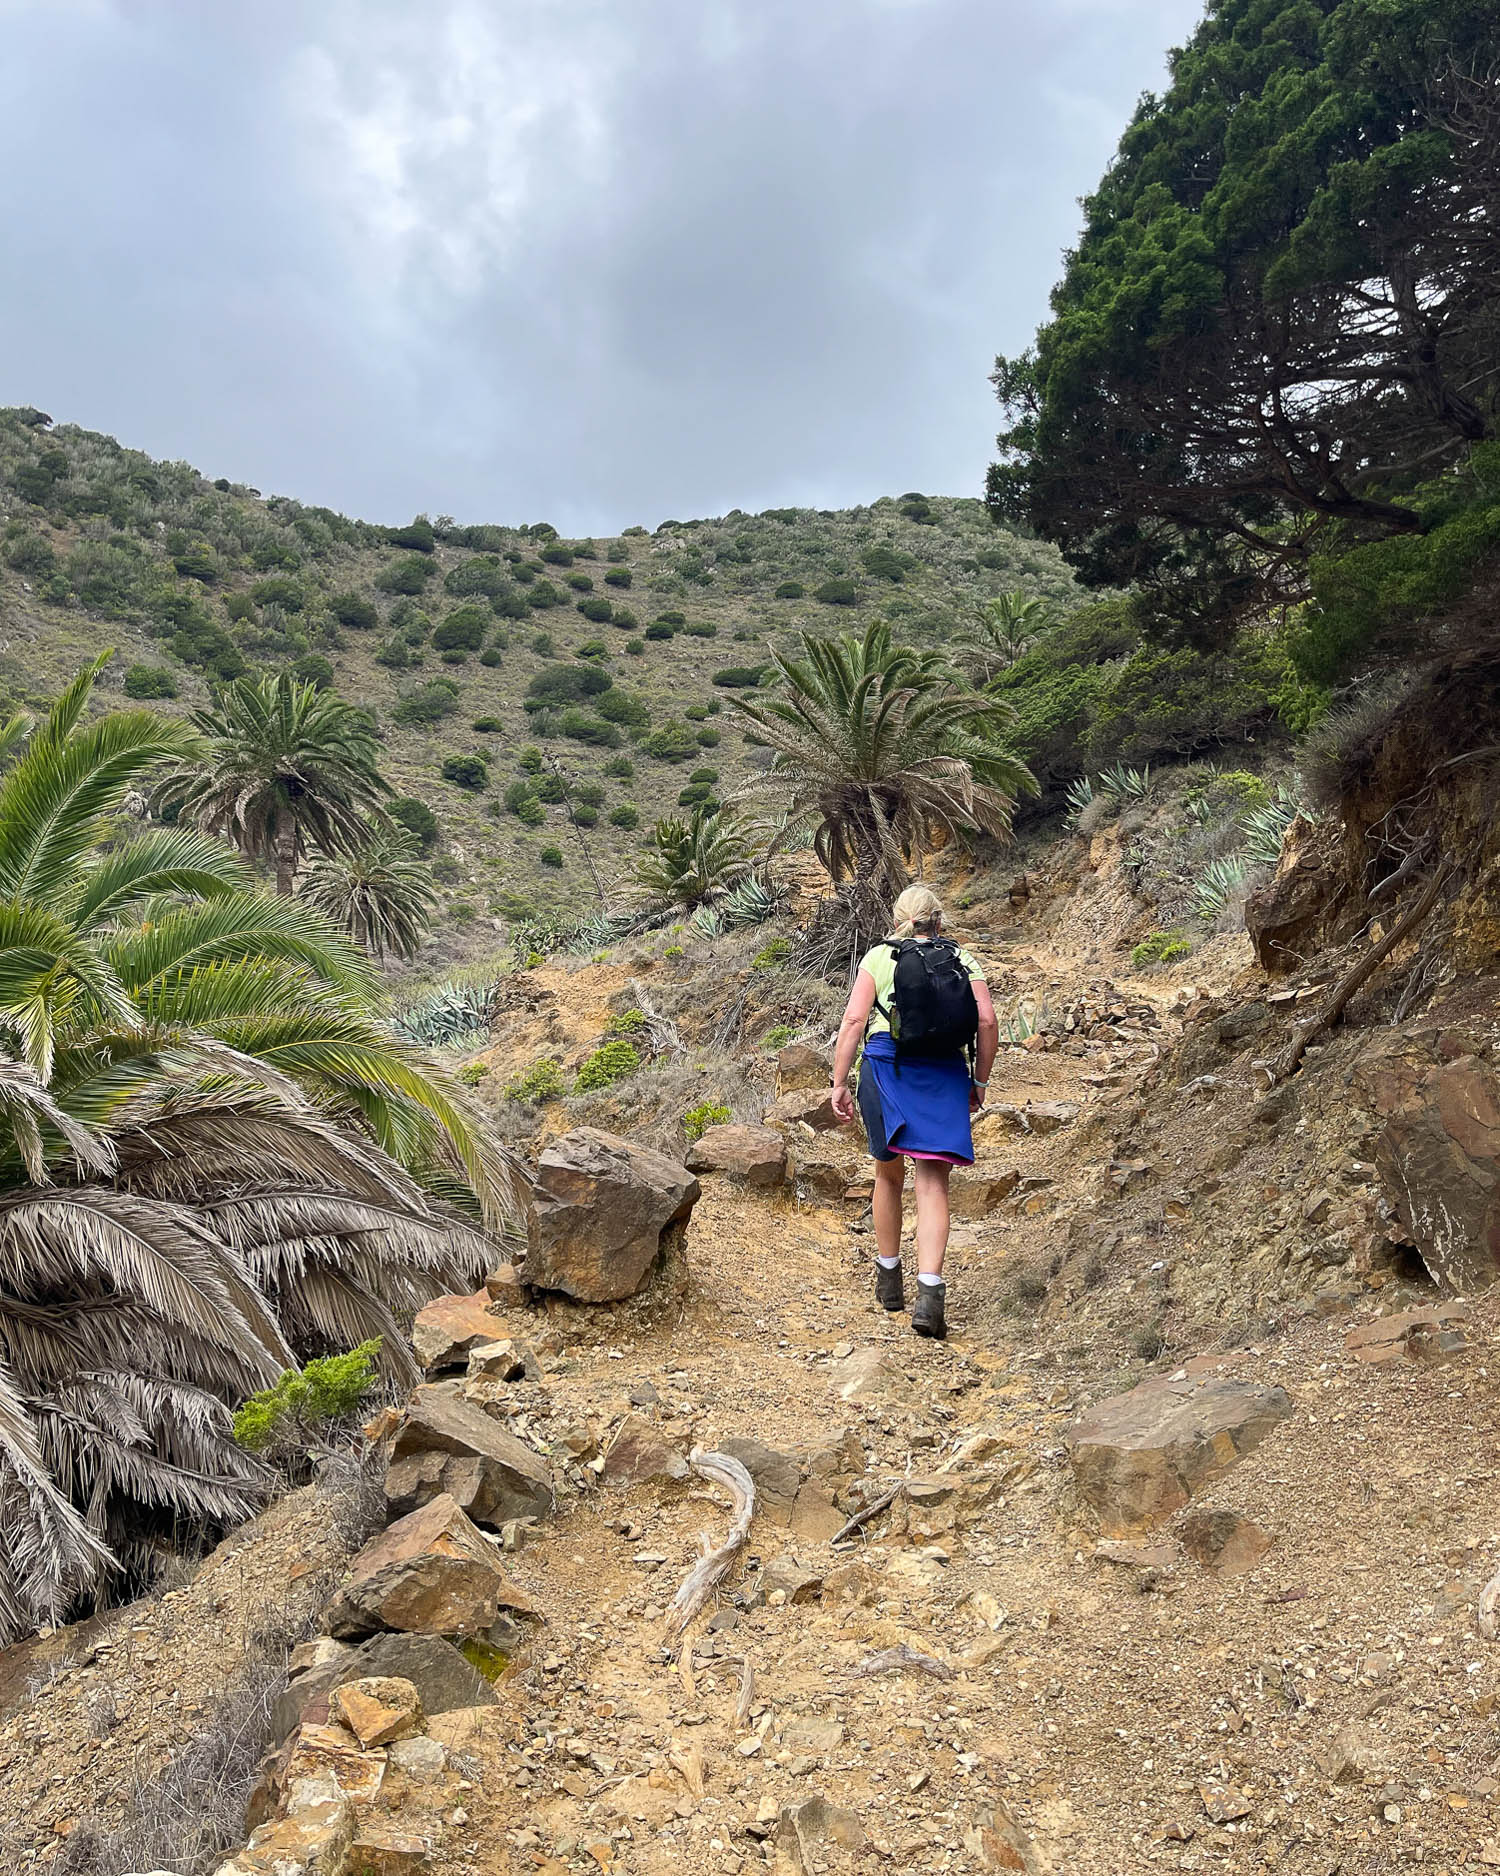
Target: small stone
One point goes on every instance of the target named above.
(420, 1759)
(1224, 1803)
(379, 1709)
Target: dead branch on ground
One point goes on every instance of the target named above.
(713, 1565)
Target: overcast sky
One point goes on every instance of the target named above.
(590, 261)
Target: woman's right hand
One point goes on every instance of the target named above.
(843, 1101)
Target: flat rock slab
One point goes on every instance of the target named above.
(1223, 1541)
(1139, 1457)
(868, 1375)
(800, 1066)
(430, 1573)
(638, 1455)
(443, 1679)
(445, 1444)
(603, 1213)
(756, 1155)
(1425, 1335)
(807, 1107)
(976, 1191)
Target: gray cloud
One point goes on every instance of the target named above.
(508, 259)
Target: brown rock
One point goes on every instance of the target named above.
(603, 1213)
(802, 1829)
(503, 1285)
(380, 1850)
(822, 1176)
(801, 1065)
(808, 1107)
(1223, 1541)
(1000, 1843)
(757, 1155)
(503, 1361)
(1425, 1335)
(447, 1444)
(379, 1709)
(777, 1477)
(1284, 916)
(430, 1573)
(798, 1581)
(814, 1515)
(446, 1329)
(442, 1677)
(1140, 1456)
(868, 1375)
(976, 1191)
(1354, 1752)
(1224, 1803)
(1438, 1152)
(638, 1453)
(321, 1749)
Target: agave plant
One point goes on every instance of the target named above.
(1080, 794)
(1123, 784)
(695, 862)
(379, 892)
(884, 750)
(455, 1015)
(755, 899)
(1217, 884)
(212, 1159)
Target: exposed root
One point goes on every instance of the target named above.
(713, 1565)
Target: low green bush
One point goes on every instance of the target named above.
(418, 537)
(591, 648)
(471, 772)
(29, 553)
(609, 1063)
(487, 726)
(591, 794)
(143, 681)
(584, 816)
(790, 589)
(635, 648)
(556, 555)
(408, 575)
(543, 595)
(304, 1405)
(417, 818)
(702, 628)
(625, 816)
(463, 630)
(543, 1081)
(620, 766)
(658, 629)
(541, 644)
(597, 610)
(697, 1120)
(1162, 947)
(531, 760)
(419, 709)
(673, 742)
(551, 856)
(619, 576)
(313, 668)
(707, 738)
(738, 677)
(472, 1073)
(775, 953)
(581, 582)
(839, 591)
(483, 575)
(279, 591)
(524, 802)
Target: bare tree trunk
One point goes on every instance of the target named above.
(285, 848)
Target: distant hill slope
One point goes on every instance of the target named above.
(441, 631)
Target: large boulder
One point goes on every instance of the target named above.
(806, 1107)
(1438, 1150)
(446, 1444)
(448, 1328)
(1139, 1457)
(603, 1213)
(430, 1573)
(1285, 916)
(756, 1155)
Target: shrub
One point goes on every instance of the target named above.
(581, 582)
(619, 706)
(696, 713)
(279, 592)
(697, 1120)
(29, 553)
(673, 742)
(541, 644)
(418, 537)
(487, 726)
(313, 668)
(673, 951)
(542, 595)
(566, 683)
(510, 606)
(598, 610)
(625, 816)
(196, 562)
(543, 1081)
(619, 576)
(591, 648)
(144, 681)
(549, 787)
(1162, 947)
(408, 575)
(291, 1414)
(620, 766)
(551, 856)
(463, 630)
(523, 802)
(417, 818)
(790, 589)
(738, 677)
(635, 648)
(472, 1073)
(484, 574)
(609, 1063)
(585, 816)
(775, 953)
(884, 563)
(590, 793)
(556, 555)
(694, 792)
(238, 607)
(395, 656)
(702, 628)
(707, 738)
(530, 760)
(839, 591)
(660, 629)
(584, 728)
(624, 619)
(704, 775)
(436, 699)
(470, 772)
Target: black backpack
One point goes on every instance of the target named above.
(934, 1013)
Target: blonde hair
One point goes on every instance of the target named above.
(918, 909)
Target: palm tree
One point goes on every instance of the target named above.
(213, 1158)
(882, 750)
(694, 862)
(284, 765)
(1001, 629)
(379, 892)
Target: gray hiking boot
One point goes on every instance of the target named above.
(927, 1316)
(890, 1288)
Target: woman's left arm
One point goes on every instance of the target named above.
(988, 1042)
(851, 1029)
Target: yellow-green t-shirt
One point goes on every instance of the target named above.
(881, 965)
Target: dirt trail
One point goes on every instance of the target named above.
(1106, 1709)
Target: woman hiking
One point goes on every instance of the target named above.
(919, 1003)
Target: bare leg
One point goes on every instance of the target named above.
(890, 1178)
(931, 1179)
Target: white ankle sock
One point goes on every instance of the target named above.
(932, 1282)
(889, 1263)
